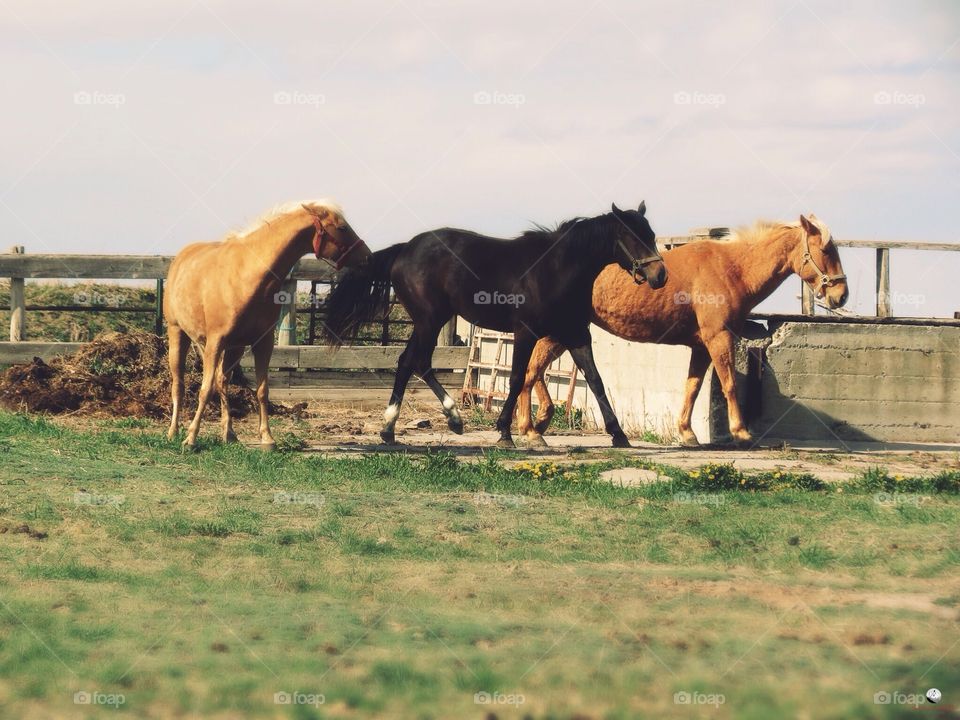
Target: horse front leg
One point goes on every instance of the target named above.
(523, 342)
(699, 362)
(212, 357)
(262, 350)
(178, 344)
(231, 358)
(583, 357)
(722, 350)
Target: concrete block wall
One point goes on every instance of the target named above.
(890, 383)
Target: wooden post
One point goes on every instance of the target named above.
(883, 282)
(18, 304)
(288, 313)
(807, 301)
(448, 333)
(158, 311)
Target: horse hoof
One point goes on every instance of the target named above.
(455, 425)
(541, 427)
(536, 441)
(505, 442)
(231, 437)
(690, 442)
(620, 441)
(187, 446)
(268, 447)
(387, 438)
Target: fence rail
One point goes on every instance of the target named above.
(18, 266)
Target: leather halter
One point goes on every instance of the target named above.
(636, 265)
(321, 235)
(823, 280)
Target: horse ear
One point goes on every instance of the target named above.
(615, 209)
(643, 207)
(809, 226)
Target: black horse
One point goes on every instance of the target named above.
(536, 285)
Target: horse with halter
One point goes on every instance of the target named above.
(711, 288)
(221, 296)
(536, 285)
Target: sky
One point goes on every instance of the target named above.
(141, 127)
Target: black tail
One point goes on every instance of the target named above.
(361, 296)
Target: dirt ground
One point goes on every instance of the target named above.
(353, 430)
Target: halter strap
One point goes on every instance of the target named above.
(636, 265)
(823, 279)
(321, 232)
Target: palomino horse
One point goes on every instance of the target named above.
(220, 295)
(712, 287)
(538, 284)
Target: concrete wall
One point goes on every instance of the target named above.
(892, 383)
(820, 382)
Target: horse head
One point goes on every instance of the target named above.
(819, 265)
(636, 247)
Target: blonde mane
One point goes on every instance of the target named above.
(761, 229)
(288, 208)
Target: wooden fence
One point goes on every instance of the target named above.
(18, 266)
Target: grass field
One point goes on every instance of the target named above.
(228, 582)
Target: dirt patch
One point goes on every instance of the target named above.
(116, 375)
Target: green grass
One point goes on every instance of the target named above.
(396, 585)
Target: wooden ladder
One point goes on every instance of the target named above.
(472, 391)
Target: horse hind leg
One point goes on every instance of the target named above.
(231, 357)
(178, 345)
(404, 370)
(450, 409)
(544, 353)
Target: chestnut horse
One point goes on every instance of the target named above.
(711, 288)
(220, 295)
